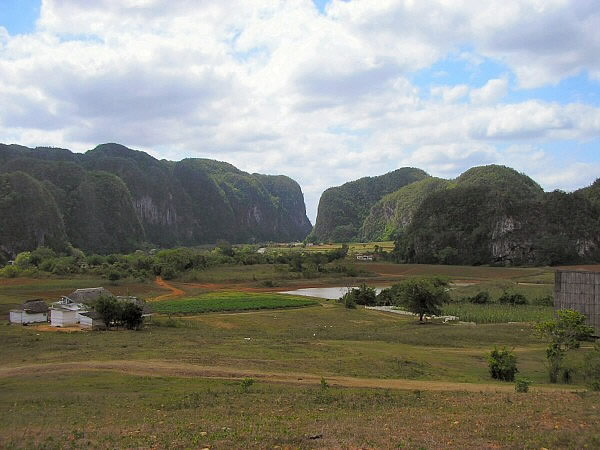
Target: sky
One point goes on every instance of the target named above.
(324, 91)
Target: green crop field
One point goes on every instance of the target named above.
(496, 313)
(230, 301)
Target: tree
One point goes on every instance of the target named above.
(110, 309)
(131, 315)
(502, 364)
(592, 368)
(565, 333)
(363, 295)
(423, 296)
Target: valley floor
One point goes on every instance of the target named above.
(321, 376)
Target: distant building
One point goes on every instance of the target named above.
(579, 291)
(32, 311)
(88, 295)
(91, 320)
(364, 257)
(65, 312)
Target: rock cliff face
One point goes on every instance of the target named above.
(112, 198)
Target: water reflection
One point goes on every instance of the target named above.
(332, 293)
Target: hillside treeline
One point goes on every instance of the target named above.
(112, 199)
(488, 215)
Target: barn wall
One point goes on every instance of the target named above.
(60, 318)
(16, 317)
(579, 291)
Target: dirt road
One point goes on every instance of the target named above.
(177, 369)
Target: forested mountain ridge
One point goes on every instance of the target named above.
(112, 198)
(343, 209)
(488, 215)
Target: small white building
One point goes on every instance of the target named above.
(65, 312)
(33, 311)
(364, 257)
(91, 320)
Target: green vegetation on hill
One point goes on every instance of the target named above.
(343, 209)
(486, 219)
(112, 199)
(395, 211)
(592, 192)
(488, 215)
(29, 216)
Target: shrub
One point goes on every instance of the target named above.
(480, 298)
(591, 368)
(564, 333)
(522, 384)
(363, 295)
(512, 298)
(502, 364)
(546, 300)
(9, 272)
(246, 383)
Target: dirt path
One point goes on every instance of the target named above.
(175, 292)
(176, 369)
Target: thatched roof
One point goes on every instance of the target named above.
(35, 306)
(88, 295)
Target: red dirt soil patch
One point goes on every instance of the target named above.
(175, 292)
(49, 328)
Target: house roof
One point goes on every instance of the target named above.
(35, 306)
(88, 295)
(94, 315)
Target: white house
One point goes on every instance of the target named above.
(32, 311)
(65, 312)
(91, 320)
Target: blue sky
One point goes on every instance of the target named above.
(325, 91)
(19, 16)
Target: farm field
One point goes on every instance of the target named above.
(180, 380)
(230, 301)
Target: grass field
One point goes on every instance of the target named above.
(496, 313)
(230, 301)
(392, 382)
(171, 412)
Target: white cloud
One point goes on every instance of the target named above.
(493, 91)
(277, 87)
(450, 94)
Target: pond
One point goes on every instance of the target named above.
(331, 293)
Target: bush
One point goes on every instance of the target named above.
(546, 300)
(480, 298)
(246, 383)
(502, 364)
(512, 298)
(591, 368)
(363, 295)
(522, 384)
(564, 333)
(348, 300)
(9, 272)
